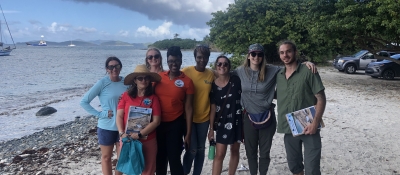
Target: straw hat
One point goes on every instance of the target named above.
(141, 70)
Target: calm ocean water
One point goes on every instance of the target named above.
(33, 77)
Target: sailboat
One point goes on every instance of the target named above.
(42, 42)
(71, 45)
(4, 51)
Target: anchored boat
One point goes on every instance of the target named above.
(5, 50)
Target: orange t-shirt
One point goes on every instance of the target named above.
(172, 94)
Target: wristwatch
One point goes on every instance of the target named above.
(121, 133)
(140, 135)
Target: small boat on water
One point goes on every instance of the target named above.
(5, 50)
(42, 42)
(71, 45)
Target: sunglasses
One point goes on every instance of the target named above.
(150, 57)
(111, 67)
(143, 78)
(260, 54)
(222, 64)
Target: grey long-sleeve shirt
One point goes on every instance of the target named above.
(257, 96)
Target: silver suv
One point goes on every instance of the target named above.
(358, 61)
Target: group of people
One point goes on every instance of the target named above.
(227, 106)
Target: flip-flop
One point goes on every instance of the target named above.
(242, 168)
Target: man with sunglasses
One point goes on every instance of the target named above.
(202, 79)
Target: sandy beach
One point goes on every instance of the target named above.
(360, 137)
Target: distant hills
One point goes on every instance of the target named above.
(91, 43)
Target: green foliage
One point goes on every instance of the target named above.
(236, 61)
(183, 43)
(320, 29)
(368, 24)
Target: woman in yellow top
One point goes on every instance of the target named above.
(202, 79)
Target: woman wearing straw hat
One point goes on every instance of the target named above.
(140, 94)
(108, 89)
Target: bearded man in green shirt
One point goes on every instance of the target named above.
(298, 88)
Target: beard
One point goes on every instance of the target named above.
(290, 60)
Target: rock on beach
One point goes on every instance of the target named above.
(46, 111)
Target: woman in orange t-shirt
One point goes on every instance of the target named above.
(175, 91)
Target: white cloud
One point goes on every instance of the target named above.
(193, 13)
(123, 33)
(35, 27)
(56, 28)
(197, 33)
(85, 29)
(160, 31)
(207, 6)
(20, 33)
(104, 33)
(34, 22)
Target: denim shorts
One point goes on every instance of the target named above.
(107, 137)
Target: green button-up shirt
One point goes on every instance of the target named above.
(295, 93)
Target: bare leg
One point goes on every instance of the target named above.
(118, 149)
(106, 154)
(219, 158)
(234, 160)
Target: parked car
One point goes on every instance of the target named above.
(386, 68)
(386, 53)
(358, 61)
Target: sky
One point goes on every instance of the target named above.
(133, 21)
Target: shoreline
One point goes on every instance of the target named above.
(42, 152)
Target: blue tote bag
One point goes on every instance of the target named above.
(131, 160)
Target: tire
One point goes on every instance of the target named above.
(350, 69)
(388, 74)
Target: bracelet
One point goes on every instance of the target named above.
(121, 133)
(140, 135)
